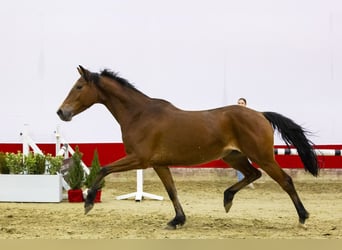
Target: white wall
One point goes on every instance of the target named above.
(283, 56)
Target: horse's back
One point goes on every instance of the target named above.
(242, 118)
(234, 119)
(219, 130)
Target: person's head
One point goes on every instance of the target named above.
(242, 101)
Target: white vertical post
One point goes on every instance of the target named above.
(139, 194)
(140, 183)
(58, 141)
(26, 146)
(61, 151)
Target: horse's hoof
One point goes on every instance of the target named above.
(302, 226)
(88, 207)
(174, 224)
(303, 218)
(228, 206)
(170, 227)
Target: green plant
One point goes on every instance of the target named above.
(15, 163)
(40, 164)
(29, 163)
(75, 177)
(3, 165)
(34, 163)
(94, 170)
(54, 164)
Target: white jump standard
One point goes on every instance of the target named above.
(139, 194)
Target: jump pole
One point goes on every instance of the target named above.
(319, 152)
(139, 194)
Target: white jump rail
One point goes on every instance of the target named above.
(319, 152)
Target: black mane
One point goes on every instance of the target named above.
(114, 76)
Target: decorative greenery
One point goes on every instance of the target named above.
(3, 166)
(34, 163)
(75, 177)
(94, 170)
(54, 163)
(17, 163)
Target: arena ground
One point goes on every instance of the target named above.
(263, 213)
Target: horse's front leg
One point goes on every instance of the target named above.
(127, 163)
(166, 177)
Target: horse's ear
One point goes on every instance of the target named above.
(84, 73)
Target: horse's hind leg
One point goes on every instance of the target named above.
(285, 181)
(166, 177)
(240, 162)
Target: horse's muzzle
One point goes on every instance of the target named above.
(64, 115)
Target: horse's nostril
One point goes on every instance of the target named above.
(59, 112)
(64, 114)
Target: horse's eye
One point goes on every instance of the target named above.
(79, 87)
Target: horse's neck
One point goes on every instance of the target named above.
(126, 105)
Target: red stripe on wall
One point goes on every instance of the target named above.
(109, 152)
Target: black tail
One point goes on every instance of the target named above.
(295, 135)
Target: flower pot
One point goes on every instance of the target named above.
(75, 195)
(30, 188)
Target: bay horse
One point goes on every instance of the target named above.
(157, 134)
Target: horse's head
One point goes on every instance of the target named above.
(82, 95)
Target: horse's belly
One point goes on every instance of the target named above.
(186, 156)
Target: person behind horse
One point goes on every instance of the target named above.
(243, 102)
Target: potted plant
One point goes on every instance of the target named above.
(34, 163)
(25, 178)
(15, 163)
(54, 164)
(3, 166)
(94, 170)
(75, 177)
